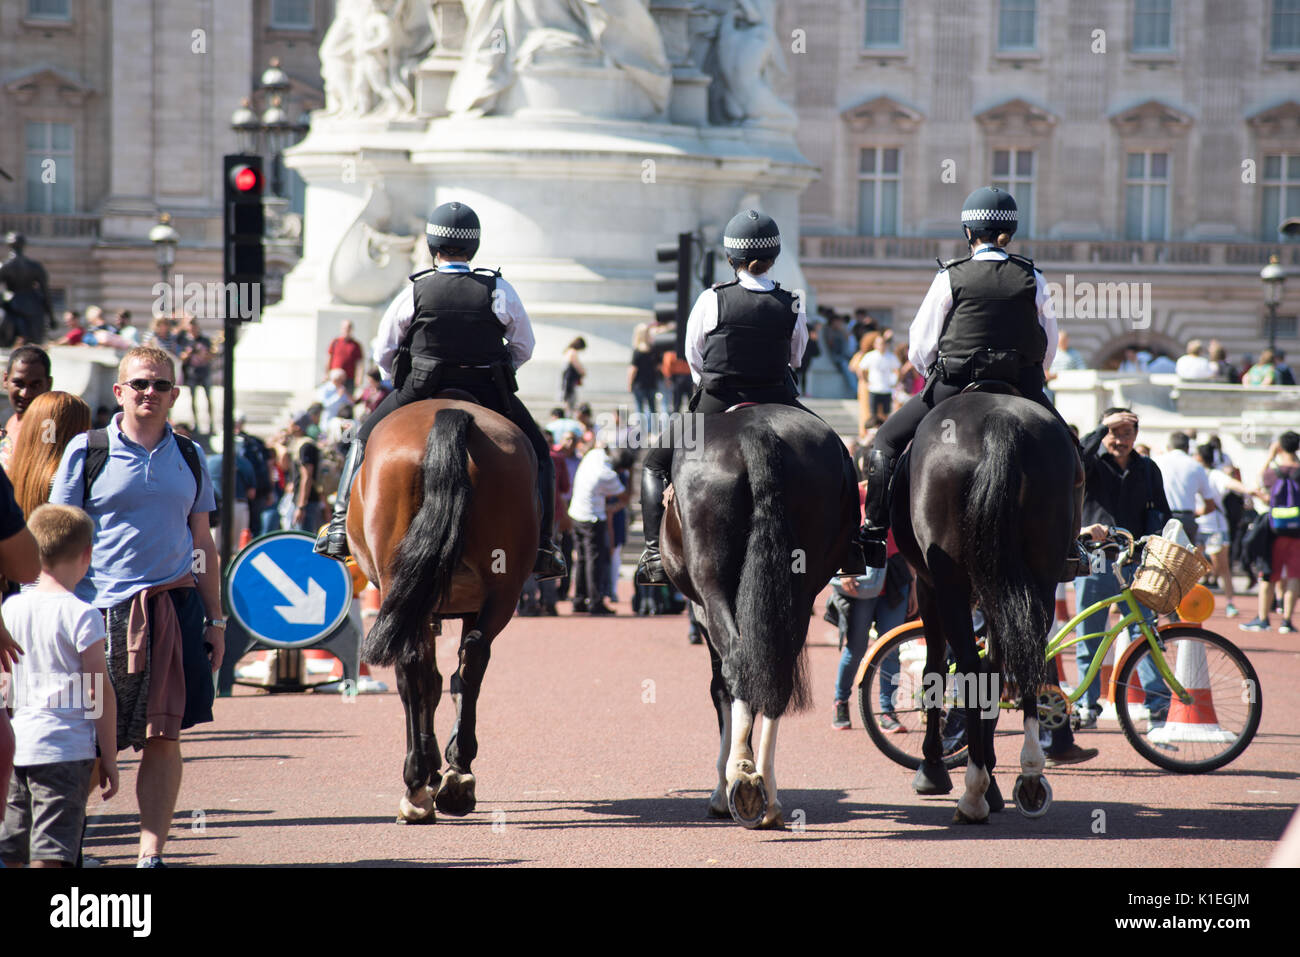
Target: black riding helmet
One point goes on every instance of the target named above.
(989, 209)
(453, 228)
(751, 235)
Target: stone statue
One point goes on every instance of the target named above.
(370, 264)
(506, 36)
(735, 42)
(26, 299)
(369, 52)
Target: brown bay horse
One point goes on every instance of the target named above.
(444, 521)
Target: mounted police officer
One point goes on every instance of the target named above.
(742, 339)
(986, 317)
(454, 327)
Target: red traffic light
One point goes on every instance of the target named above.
(245, 179)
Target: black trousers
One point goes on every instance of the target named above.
(893, 436)
(480, 384)
(591, 569)
(704, 402)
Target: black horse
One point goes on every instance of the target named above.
(985, 512)
(761, 512)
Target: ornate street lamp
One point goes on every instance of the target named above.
(272, 131)
(1274, 276)
(164, 238)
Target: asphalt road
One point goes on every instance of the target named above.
(597, 748)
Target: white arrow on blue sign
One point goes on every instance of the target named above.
(284, 593)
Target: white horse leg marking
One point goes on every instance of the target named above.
(1032, 760)
(718, 800)
(742, 723)
(767, 767)
(972, 803)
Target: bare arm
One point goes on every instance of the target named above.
(94, 665)
(207, 571)
(19, 559)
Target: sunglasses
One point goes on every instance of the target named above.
(159, 385)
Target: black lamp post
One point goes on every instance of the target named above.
(272, 131)
(1274, 276)
(164, 238)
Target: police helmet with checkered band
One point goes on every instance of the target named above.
(990, 209)
(453, 228)
(751, 235)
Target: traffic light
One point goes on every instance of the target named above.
(678, 282)
(244, 221)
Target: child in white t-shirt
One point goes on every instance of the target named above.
(63, 701)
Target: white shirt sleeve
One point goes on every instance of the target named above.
(392, 328)
(799, 339)
(702, 321)
(923, 336)
(518, 327)
(1047, 318)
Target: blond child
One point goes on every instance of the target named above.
(63, 700)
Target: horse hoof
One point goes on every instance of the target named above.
(747, 800)
(420, 812)
(773, 822)
(961, 817)
(994, 796)
(931, 779)
(718, 805)
(1033, 795)
(456, 794)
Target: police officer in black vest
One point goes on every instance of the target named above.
(454, 328)
(742, 338)
(987, 316)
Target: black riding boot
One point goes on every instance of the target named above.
(650, 570)
(332, 542)
(875, 524)
(549, 565)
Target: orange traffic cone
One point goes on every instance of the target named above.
(245, 537)
(1195, 721)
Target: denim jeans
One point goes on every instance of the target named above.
(1091, 589)
(862, 612)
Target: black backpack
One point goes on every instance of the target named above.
(97, 458)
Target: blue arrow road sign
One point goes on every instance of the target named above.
(280, 591)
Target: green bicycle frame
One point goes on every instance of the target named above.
(1065, 638)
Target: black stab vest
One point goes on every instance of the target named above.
(454, 320)
(750, 346)
(994, 307)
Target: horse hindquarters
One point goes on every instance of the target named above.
(422, 566)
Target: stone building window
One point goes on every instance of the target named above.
(291, 14)
(1152, 26)
(49, 9)
(1013, 171)
(884, 24)
(1146, 196)
(879, 177)
(1281, 194)
(1016, 24)
(49, 168)
(1284, 35)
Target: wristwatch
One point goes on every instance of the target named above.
(215, 623)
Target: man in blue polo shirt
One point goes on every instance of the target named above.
(154, 573)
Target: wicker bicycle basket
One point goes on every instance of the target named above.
(1167, 574)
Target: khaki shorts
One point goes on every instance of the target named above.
(46, 812)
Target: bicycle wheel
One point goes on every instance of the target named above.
(1222, 718)
(892, 684)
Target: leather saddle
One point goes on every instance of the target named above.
(992, 387)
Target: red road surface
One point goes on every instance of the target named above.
(597, 747)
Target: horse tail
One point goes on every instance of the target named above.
(1013, 602)
(420, 574)
(768, 670)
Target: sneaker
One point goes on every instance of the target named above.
(891, 725)
(579, 606)
(1230, 610)
(1257, 624)
(1156, 718)
(1286, 627)
(1071, 755)
(1087, 718)
(841, 720)
(600, 608)
(154, 861)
